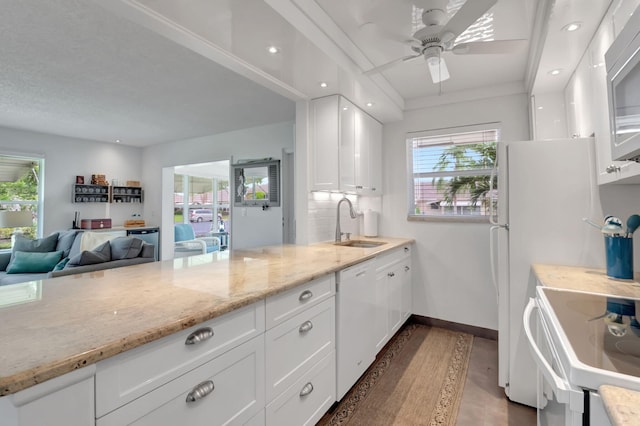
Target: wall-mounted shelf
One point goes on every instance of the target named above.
(83, 193)
(126, 194)
(90, 193)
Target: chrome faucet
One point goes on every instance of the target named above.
(352, 213)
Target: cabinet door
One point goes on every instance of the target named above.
(394, 287)
(66, 400)
(368, 155)
(348, 113)
(406, 289)
(324, 149)
(381, 318)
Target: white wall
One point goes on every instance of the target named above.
(258, 142)
(452, 275)
(64, 159)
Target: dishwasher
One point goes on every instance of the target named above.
(149, 235)
(355, 306)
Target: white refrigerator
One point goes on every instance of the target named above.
(545, 188)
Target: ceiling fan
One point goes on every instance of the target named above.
(438, 37)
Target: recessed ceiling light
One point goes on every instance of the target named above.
(573, 26)
(323, 84)
(273, 49)
(117, 140)
(555, 72)
(540, 107)
(345, 108)
(369, 104)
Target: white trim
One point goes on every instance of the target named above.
(443, 131)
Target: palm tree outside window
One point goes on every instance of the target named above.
(451, 174)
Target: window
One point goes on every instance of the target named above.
(20, 191)
(450, 173)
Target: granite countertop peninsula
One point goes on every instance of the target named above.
(69, 322)
(622, 405)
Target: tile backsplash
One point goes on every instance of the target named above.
(322, 214)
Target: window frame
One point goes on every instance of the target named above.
(444, 132)
(39, 203)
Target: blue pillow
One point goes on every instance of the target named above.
(24, 262)
(60, 265)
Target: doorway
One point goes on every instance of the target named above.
(201, 195)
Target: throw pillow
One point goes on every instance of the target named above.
(100, 254)
(125, 248)
(24, 262)
(40, 245)
(65, 241)
(60, 265)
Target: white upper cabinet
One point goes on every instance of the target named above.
(345, 148)
(324, 148)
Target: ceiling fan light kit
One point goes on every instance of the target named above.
(438, 37)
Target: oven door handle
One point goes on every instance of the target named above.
(563, 390)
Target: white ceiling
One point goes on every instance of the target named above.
(153, 71)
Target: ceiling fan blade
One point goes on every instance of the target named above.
(488, 47)
(438, 69)
(388, 65)
(466, 16)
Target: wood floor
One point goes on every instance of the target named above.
(483, 401)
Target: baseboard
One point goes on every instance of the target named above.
(454, 326)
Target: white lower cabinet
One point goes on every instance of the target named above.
(67, 400)
(393, 293)
(125, 377)
(300, 356)
(306, 401)
(298, 343)
(226, 390)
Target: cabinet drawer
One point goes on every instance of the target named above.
(235, 383)
(308, 399)
(285, 305)
(127, 376)
(385, 260)
(295, 345)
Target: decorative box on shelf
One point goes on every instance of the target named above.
(95, 223)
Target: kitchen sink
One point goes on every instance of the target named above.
(360, 243)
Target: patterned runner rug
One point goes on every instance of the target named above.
(417, 380)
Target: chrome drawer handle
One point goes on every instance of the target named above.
(200, 391)
(305, 327)
(305, 295)
(406, 249)
(391, 274)
(306, 390)
(199, 335)
(406, 268)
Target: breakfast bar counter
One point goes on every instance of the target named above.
(78, 320)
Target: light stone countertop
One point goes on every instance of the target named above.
(78, 320)
(591, 280)
(622, 405)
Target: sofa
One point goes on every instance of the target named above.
(70, 252)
